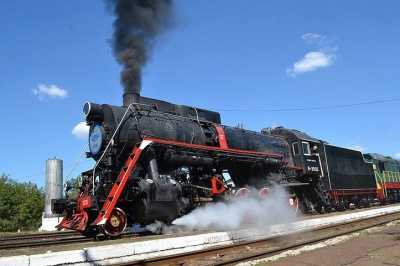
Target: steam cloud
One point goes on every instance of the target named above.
(137, 24)
(259, 212)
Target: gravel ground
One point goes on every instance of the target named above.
(377, 246)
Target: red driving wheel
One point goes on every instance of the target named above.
(265, 192)
(116, 223)
(242, 192)
(293, 201)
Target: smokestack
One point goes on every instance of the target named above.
(129, 98)
(137, 24)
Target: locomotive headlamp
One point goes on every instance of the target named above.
(92, 111)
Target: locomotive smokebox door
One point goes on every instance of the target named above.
(96, 139)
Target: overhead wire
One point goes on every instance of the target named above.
(270, 110)
(41, 174)
(306, 108)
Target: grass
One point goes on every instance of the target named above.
(27, 232)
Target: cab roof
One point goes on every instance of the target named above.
(380, 157)
(291, 133)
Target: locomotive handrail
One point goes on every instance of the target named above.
(79, 158)
(391, 176)
(108, 145)
(213, 148)
(377, 176)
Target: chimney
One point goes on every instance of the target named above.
(130, 97)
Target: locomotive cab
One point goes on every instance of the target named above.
(307, 157)
(305, 151)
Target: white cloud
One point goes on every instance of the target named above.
(52, 91)
(312, 38)
(357, 148)
(81, 131)
(323, 56)
(397, 155)
(311, 62)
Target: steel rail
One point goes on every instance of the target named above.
(56, 239)
(37, 236)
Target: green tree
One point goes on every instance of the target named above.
(21, 205)
(73, 185)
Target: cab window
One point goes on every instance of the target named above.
(295, 148)
(306, 148)
(382, 166)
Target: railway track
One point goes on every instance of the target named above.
(39, 235)
(254, 250)
(36, 240)
(55, 238)
(47, 239)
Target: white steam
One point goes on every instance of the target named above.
(257, 211)
(161, 228)
(245, 211)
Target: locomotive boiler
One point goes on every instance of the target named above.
(157, 161)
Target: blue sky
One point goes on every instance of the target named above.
(330, 69)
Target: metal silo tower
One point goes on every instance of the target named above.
(54, 183)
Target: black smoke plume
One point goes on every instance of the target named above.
(137, 24)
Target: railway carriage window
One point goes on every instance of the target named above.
(306, 148)
(295, 148)
(382, 166)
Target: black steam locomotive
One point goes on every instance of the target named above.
(158, 161)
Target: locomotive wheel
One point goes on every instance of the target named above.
(116, 223)
(243, 192)
(341, 205)
(318, 207)
(346, 204)
(293, 202)
(367, 203)
(327, 209)
(265, 192)
(303, 208)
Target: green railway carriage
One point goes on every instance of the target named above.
(387, 174)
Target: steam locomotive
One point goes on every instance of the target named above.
(158, 161)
